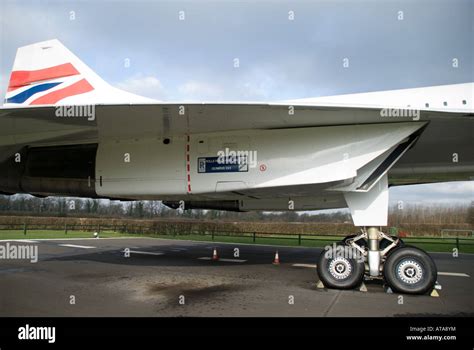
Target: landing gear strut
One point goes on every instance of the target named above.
(404, 268)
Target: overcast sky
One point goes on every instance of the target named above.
(389, 45)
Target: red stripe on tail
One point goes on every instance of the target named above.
(80, 87)
(21, 78)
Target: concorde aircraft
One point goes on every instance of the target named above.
(65, 132)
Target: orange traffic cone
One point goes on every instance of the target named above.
(215, 257)
(276, 261)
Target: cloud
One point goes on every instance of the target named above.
(256, 84)
(279, 59)
(148, 86)
(200, 90)
(455, 189)
(441, 193)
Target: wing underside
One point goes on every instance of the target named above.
(319, 151)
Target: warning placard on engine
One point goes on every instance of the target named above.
(219, 165)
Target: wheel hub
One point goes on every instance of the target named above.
(410, 271)
(340, 268)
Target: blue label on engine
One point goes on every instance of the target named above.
(222, 165)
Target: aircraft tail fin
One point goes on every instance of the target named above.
(47, 73)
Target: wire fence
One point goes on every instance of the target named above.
(462, 240)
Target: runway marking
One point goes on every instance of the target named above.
(178, 250)
(454, 274)
(144, 253)
(18, 240)
(224, 260)
(77, 246)
(78, 239)
(311, 266)
(25, 241)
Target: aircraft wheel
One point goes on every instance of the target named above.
(340, 270)
(410, 270)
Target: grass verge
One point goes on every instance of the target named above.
(430, 245)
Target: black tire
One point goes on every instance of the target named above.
(340, 271)
(410, 270)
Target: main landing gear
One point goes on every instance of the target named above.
(404, 268)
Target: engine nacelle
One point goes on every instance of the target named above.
(58, 170)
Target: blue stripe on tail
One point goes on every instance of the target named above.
(23, 96)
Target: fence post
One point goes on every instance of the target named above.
(98, 229)
(65, 229)
(24, 228)
(254, 237)
(299, 238)
(457, 243)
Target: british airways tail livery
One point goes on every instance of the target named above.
(47, 73)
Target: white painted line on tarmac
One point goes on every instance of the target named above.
(78, 239)
(144, 253)
(224, 260)
(19, 240)
(179, 250)
(454, 274)
(76, 246)
(311, 266)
